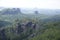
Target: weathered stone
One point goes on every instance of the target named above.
(19, 28)
(2, 34)
(29, 24)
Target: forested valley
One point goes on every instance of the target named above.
(15, 25)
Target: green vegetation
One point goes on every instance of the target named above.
(52, 32)
(28, 26)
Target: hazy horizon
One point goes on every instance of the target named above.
(40, 4)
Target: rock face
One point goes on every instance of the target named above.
(23, 27)
(19, 28)
(29, 24)
(11, 11)
(36, 12)
(27, 29)
(2, 34)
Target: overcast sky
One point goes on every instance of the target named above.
(45, 4)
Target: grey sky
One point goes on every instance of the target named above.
(45, 4)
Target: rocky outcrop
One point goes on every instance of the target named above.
(23, 27)
(26, 29)
(11, 11)
(2, 34)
